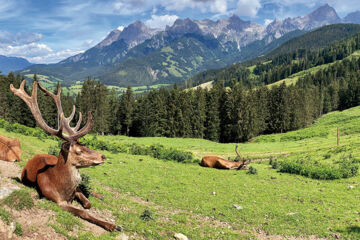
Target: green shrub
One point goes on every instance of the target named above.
(275, 164)
(18, 229)
(147, 215)
(348, 167)
(252, 170)
(53, 150)
(5, 216)
(85, 185)
(156, 150)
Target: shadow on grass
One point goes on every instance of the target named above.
(351, 232)
(353, 229)
(16, 179)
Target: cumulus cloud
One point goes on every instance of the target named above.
(37, 52)
(161, 21)
(247, 8)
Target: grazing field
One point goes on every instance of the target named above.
(154, 199)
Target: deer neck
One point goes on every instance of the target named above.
(70, 173)
(64, 162)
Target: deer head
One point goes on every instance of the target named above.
(75, 153)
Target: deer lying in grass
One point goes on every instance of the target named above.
(220, 163)
(10, 149)
(57, 178)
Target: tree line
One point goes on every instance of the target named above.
(225, 114)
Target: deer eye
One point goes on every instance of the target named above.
(78, 151)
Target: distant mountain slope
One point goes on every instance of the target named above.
(316, 39)
(353, 17)
(12, 64)
(173, 63)
(138, 55)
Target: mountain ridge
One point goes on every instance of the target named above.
(12, 64)
(140, 47)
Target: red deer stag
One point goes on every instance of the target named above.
(57, 178)
(10, 149)
(220, 163)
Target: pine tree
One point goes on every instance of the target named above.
(127, 106)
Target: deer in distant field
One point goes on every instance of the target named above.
(10, 149)
(57, 178)
(220, 163)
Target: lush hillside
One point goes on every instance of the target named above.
(297, 47)
(317, 39)
(12, 64)
(272, 203)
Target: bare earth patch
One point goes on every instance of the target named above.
(9, 169)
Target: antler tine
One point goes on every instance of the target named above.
(237, 150)
(70, 118)
(78, 123)
(85, 130)
(32, 103)
(57, 97)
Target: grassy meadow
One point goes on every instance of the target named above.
(198, 202)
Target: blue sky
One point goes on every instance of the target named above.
(47, 31)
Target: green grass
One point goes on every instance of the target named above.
(5, 216)
(19, 199)
(180, 196)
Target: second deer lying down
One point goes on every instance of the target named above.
(10, 149)
(220, 163)
(57, 178)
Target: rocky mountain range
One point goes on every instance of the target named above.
(139, 55)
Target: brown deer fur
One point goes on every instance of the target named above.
(220, 163)
(10, 149)
(57, 178)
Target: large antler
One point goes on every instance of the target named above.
(64, 123)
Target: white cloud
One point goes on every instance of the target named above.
(54, 57)
(267, 22)
(37, 52)
(161, 21)
(248, 8)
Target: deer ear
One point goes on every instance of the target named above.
(50, 160)
(15, 142)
